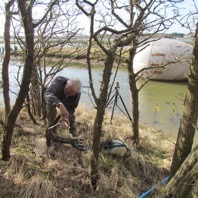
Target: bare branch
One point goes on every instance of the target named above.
(47, 12)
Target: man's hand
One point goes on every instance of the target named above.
(64, 114)
(66, 121)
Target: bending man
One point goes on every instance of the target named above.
(63, 93)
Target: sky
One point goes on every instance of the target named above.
(186, 7)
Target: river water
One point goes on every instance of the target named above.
(160, 103)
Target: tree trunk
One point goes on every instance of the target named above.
(134, 96)
(6, 60)
(102, 101)
(185, 182)
(189, 119)
(26, 13)
(29, 110)
(35, 94)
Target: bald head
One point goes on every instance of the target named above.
(72, 87)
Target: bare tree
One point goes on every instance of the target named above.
(188, 122)
(26, 14)
(53, 29)
(184, 167)
(100, 101)
(111, 30)
(145, 20)
(53, 34)
(29, 67)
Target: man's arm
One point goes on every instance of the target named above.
(64, 113)
(53, 94)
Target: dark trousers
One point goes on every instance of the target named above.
(52, 117)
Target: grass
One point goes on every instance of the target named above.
(63, 171)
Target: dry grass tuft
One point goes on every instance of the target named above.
(38, 187)
(63, 171)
